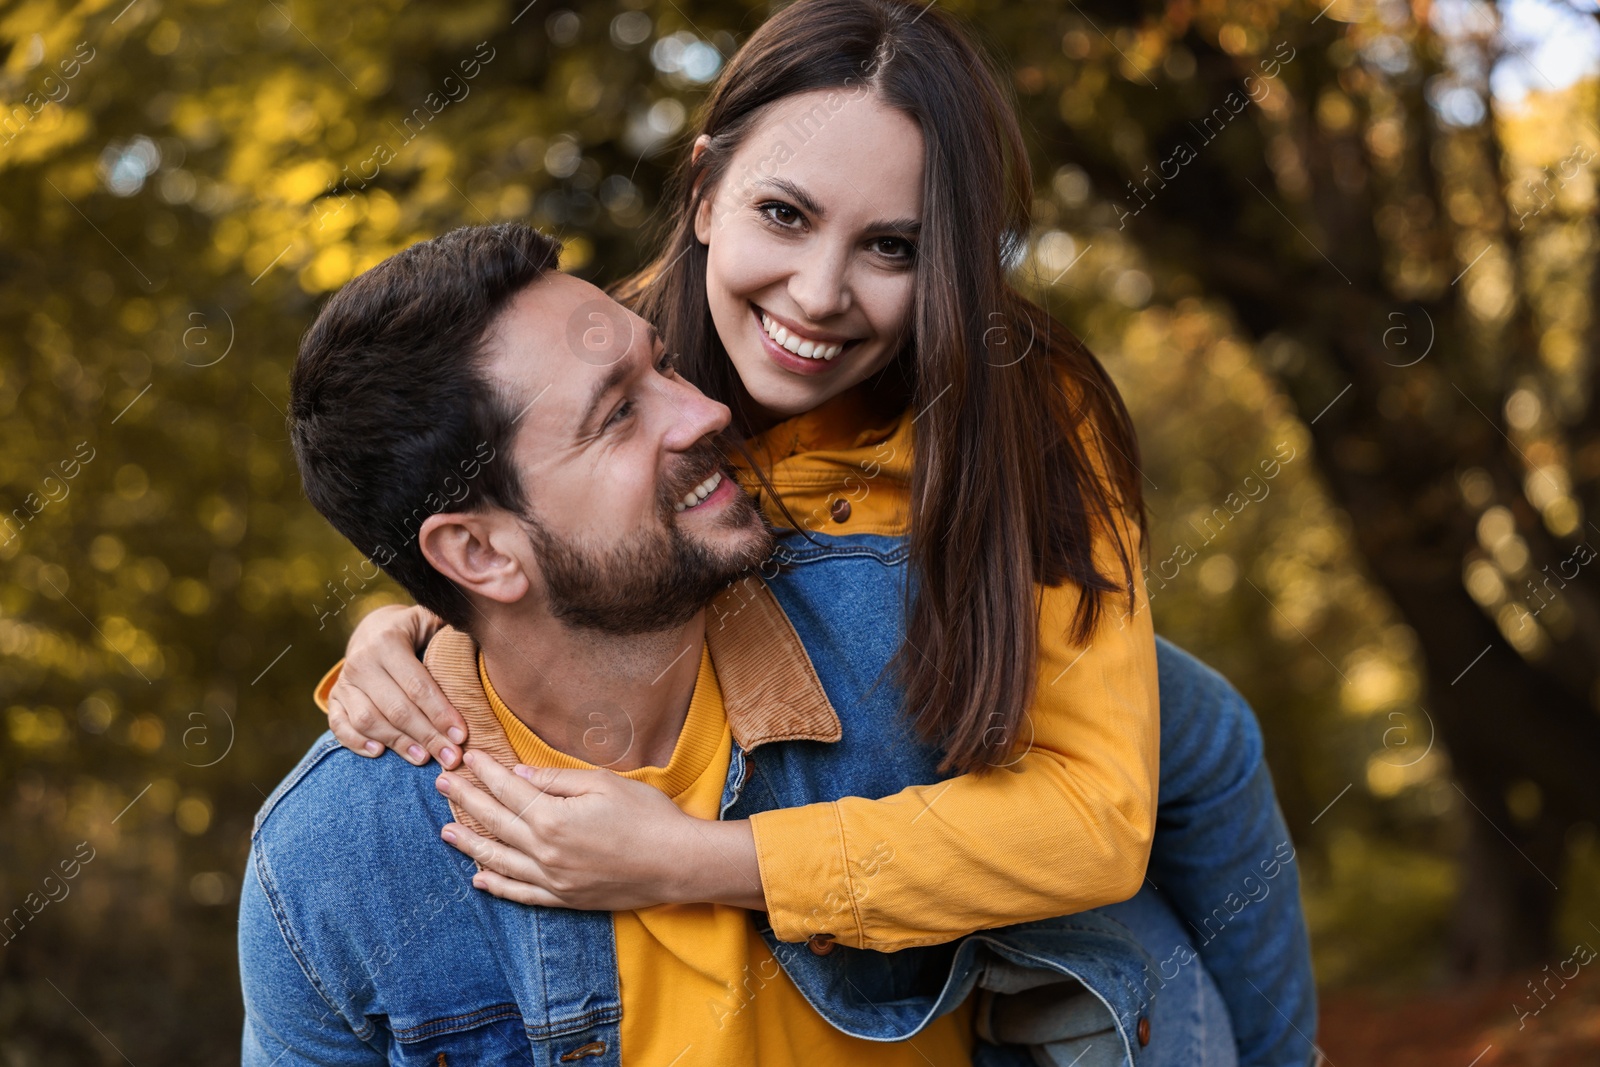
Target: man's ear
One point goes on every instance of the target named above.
(474, 550)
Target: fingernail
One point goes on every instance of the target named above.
(447, 754)
(457, 734)
(373, 748)
(443, 783)
(477, 881)
(470, 758)
(418, 756)
(522, 770)
(450, 837)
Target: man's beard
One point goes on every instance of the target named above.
(663, 577)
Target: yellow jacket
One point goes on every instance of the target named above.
(1066, 826)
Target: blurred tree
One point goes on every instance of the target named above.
(181, 182)
(1361, 218)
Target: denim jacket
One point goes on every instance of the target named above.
(362, 940)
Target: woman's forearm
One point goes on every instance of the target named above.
(720, 865)
(1066, 827)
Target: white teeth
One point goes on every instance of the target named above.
(698, 493)
(796, 344)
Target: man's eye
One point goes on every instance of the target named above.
(622, 414)
(668, 364)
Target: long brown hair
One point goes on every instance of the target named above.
(1004, 493)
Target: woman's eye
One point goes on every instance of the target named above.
(895, 248)
(780, 213)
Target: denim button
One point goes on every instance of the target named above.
(841, 510)
(1144, 1031)
(821, 944)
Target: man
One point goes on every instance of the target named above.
(571, 521)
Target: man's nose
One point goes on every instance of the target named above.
(820, 285)
(693, 416)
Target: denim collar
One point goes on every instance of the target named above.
(770, 689)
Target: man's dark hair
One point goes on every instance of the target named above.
(391, 416)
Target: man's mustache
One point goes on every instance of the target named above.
(692, 467)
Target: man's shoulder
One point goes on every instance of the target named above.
(322, 753)
(336, 809)
(348, 871)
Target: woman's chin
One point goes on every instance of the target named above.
(777, 394)
(784, 400)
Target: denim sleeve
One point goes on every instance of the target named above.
(1223, 857)
(287, 1022)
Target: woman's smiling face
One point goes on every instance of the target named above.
(811, 237)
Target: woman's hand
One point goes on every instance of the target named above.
(597, 841)
(385, 697)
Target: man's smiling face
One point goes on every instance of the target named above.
(635, 520)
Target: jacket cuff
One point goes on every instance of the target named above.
(805, 874)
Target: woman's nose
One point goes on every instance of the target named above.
(820, 287)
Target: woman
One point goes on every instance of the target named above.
(841, 301)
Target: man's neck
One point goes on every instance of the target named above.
(618, 702)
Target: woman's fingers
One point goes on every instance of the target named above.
(346, 734)
(429, 714)
(494, 855)
(557, 781)
(449, 727)
(501, 814)
(381, 662)
(591, 838)
(517, 789)
(382, 710)
(546, 781)
(515, 891)
(421, 625)
(511, 790)
(367, 721)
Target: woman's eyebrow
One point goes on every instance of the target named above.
(899, 227)
(802, 198)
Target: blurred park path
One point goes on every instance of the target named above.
(1475, 1027)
